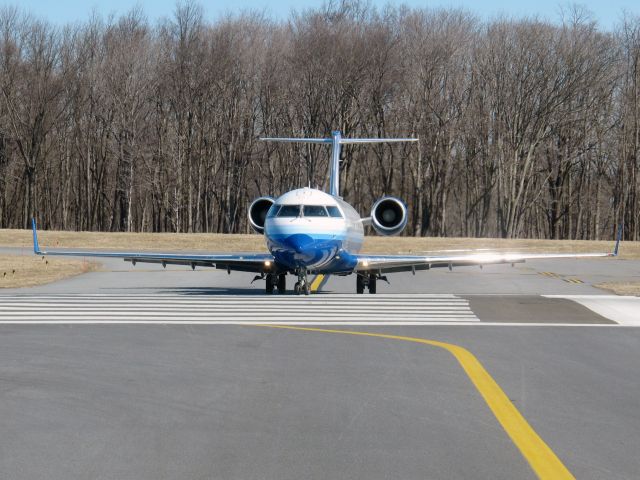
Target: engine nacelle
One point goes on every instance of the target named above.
(389, 216)
(258, 212)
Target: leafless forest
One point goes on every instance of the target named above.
(527, 128)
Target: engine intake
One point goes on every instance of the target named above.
(258, 212)
(389, 216)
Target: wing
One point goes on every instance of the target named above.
(407, 263)
(250, 262)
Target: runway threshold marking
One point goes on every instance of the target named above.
(541, 458)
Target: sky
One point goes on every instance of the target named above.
(607, 13)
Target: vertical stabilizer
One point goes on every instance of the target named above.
(334, 166)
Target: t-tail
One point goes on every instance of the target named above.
(336, 141)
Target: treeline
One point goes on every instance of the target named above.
(527, 128)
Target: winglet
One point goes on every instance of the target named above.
(619, 237)
(36, 247)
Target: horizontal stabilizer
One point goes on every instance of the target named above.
(336, 140)
(345, 141)
(297, 140)
(342, 141)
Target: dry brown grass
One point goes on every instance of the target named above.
(27, 271)
(255, 243)
(621, 288)
(628, 250)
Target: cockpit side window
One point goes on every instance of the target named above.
(334, 211)
(273, 211)
(289, 211)
(314, 211)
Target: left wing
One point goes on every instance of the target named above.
(408, 263)
(250, 262)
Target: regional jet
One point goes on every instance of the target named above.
(308, 231)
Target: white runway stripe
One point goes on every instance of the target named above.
(229, 309)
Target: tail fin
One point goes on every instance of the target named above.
(336, 141)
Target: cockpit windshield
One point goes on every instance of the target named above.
(292, 211)
(289, 211)
(314, 211)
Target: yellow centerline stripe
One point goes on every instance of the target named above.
(316, 282)
(541, 458)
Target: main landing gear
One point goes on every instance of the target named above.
(302, 285)
(274, 281)
(369, 281)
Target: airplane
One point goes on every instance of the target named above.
(309, 231)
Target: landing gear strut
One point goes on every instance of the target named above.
(302, 286)
(273, 281)
(270, 283)
(369, 281)
(282, 283)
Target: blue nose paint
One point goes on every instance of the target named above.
(299, 243)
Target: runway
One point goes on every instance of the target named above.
(162, 374)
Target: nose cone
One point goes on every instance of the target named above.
(300, 243)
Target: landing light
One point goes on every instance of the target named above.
(365, 263)
(267, 263)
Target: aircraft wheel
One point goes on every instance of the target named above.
(269, 282)
(307, 289)
(296, 288)
(282, 283)
(359, 284)
(372, 284)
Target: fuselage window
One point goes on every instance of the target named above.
(314, 211)
(334, 211)
(273, 211)
(289, 211)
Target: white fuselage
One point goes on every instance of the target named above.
(310, 229)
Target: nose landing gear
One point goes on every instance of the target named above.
(302, 285)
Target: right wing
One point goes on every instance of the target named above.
(408, 263)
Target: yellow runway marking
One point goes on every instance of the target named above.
(316, 282)
(549, 274)
(541, 458)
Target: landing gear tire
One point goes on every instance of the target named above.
(282, 283)
(270, 283)
(372, 283)
(302, 286)
(359, 284)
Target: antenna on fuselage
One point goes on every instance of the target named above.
(336, 142)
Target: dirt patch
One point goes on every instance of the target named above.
(621, 288)
(27, 271)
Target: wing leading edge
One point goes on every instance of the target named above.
(250, 262)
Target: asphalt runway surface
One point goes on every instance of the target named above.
(122, 374)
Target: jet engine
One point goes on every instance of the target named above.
(389, 216)
(258, 212)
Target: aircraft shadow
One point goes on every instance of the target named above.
(213, 291)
